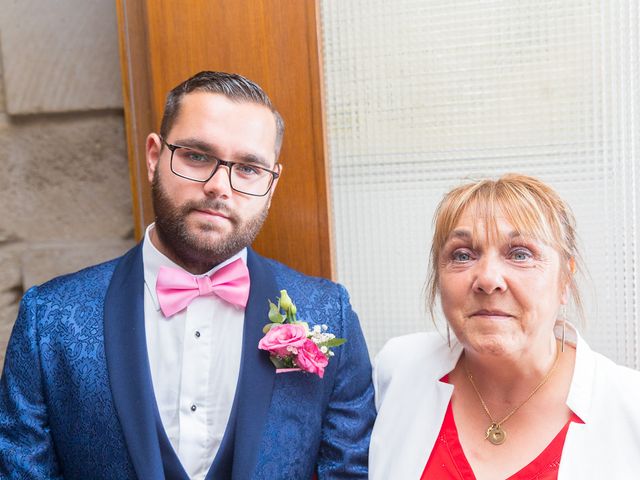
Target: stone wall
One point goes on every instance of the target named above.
(64, 181)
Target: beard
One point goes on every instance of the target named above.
(198, 250)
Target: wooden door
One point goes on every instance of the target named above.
(276, 44)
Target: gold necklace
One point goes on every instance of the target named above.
(495, 433)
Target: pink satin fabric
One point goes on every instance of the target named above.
(177, 288)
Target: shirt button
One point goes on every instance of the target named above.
(197, 334)
(194, 407)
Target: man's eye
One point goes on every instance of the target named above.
(246, 170)
(197, 156)
(186, 155)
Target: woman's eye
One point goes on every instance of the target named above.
(461, 256)
(521, 255)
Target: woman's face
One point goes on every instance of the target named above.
(500, 295)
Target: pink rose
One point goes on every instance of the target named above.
(311, 359)
(282, 336)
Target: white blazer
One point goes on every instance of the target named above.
(411, 404)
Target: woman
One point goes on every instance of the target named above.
(518, 394)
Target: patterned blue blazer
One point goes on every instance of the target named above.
(77, 401)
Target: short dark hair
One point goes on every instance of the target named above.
(233, 86)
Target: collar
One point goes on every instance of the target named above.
(580, 391)
(580, 395)
(153, 259)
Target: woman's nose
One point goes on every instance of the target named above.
(489, 275)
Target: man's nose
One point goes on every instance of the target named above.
(220, 183)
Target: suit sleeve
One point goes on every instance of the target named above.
(350, 412)
(26, 446)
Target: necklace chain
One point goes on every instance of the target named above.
(495, 433)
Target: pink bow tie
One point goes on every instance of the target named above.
(177, 288)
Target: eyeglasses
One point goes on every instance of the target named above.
(200, 167)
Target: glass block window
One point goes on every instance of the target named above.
(423, 94)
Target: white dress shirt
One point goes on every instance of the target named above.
(194, 357)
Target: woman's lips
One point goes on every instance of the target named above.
(490, 313)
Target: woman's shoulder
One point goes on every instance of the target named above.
(605, 396)
(398, 360)
(618, 376)
(601, 385)
(604, 369)
(411, 348)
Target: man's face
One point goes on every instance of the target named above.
(199, 225)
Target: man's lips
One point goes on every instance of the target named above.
(212, 213)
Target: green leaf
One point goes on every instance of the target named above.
(277, 361)
(274, 313)
(284, 301)
(273, 307)
(334, 342)
(268, 327)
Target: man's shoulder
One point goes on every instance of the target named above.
(89, 280)
(319, 300)
(291, 280)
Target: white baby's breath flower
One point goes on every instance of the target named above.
(324, 349)
(316, 329)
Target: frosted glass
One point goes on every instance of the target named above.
(423, 94)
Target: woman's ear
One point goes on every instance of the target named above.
(566, 287)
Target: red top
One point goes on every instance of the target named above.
(447, 460)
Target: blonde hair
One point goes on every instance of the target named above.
(532, 207)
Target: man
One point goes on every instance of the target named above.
(111, 373)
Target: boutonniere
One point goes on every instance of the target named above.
(291, 344)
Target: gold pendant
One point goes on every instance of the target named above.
(495, 434)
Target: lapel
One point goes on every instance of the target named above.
(257, 375)
(430, 391)
(579, 400)
(128, 365)
(580, 392)
(414, 406)
(130, 377)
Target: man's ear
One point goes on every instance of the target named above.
(153, 149)
(278, 168)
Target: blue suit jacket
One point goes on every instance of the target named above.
(77, 401)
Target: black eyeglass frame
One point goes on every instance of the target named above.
(225, 163)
